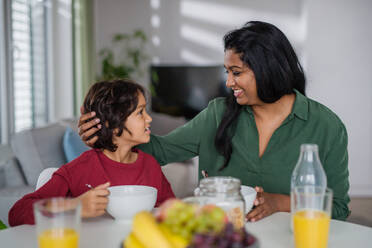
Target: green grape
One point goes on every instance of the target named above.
(189, 212)
(186, 219)
(171, 221)
(185, 233)
(202, 225)
(218, 227)
(217, 214)
(176, 229)
(191, 224)
(183, 216)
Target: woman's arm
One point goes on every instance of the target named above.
(179, 145)
(182, 143)
(336, 168)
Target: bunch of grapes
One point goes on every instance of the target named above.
(180, 219)
(228, 237)
(186, 219)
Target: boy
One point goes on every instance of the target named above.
(121, 107)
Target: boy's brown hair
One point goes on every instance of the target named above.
(113, 101)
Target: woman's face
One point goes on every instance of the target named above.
(241, 79)
(138, 123)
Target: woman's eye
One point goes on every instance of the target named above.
(141, 112)
(236, 73)
(226, 72)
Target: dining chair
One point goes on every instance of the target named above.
(44, 176)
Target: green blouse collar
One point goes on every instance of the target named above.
(300, 106)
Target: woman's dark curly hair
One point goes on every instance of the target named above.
(113, 101)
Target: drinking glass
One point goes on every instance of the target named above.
(58, 222)
(312, 208)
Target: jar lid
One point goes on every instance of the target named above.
(217, 185)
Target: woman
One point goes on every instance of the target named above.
(255, 134)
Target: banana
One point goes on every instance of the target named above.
(147, 231)
(132, 242)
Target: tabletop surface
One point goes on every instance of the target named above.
(272, 231)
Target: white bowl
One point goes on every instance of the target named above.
(249, 195)
(127, 200)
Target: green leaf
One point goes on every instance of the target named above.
(152, 90)
(136, 58)
(140, 34)
(2, 225)
(120, 37)
(155, 77)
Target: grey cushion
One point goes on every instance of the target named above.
(10, 172)
(13, 174)
(2, 178)
(39, 148)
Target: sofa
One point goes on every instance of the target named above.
(32, 151)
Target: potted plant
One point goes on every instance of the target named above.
(125, 58)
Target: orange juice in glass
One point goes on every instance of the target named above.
(58, 222)
(311, 216)
(59, 238)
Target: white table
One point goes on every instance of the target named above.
(272, 231)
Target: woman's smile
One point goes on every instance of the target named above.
(238, 92)
(147, 130)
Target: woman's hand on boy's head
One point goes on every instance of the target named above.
(88, 126)
(94, 201)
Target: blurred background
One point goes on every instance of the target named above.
(51, 51)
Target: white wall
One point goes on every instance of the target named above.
(61, 87)
(339, 70)
(332, 38)
(184, 31)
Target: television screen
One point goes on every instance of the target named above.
(185, 90)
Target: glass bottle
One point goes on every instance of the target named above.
(309, 170)
(225, 193)
(308, 173)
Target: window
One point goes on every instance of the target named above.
(29, 63)
(3, 74)
(23, 67)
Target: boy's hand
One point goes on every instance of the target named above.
(88, 125)
(94, 201)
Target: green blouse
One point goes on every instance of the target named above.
(309, 122)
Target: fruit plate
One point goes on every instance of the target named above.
(177, 224)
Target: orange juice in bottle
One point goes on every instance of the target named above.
(311, 229)
(59, 238)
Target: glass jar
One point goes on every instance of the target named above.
(223, 192)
